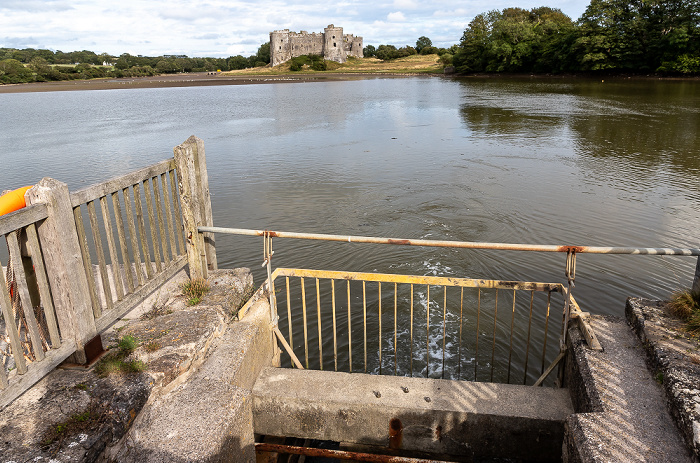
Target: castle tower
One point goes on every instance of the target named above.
(280, 48)
(333, 44)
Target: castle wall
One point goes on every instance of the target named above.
(332, 44)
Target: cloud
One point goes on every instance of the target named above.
(406, 4)
(396, 17)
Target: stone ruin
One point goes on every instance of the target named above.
(332, 44)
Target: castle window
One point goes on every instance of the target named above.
(334, 37)
(334, 44)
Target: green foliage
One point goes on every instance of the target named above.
(315, 62)
(611, 36)
(116, 361)
(194, 290)
(423, 42)
(369, 51)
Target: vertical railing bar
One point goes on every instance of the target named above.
(111, 245)
(152, 224)
(427, 333)
(364, 318)
(493, 347)
(546, 327)
(335, 330)
(10, 326)
(161, 224)
(478, 316)
(168, 214)
(133, 236)
(444, 328)
(24, 297)
(119, 220)
(529, 325)
(411, 329)
(142, 231)
(380, 327)
(510, 348)
(289, 314)
(4, 383)
(461, 318)
(43, 284)
(178, 213)
(306, 337)
(349, 330)
(99, 250)
(396, 359)
(87, 262)
(318, 320)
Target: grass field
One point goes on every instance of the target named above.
(416, 64)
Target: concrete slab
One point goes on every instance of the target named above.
(622, 415)
(441, 416)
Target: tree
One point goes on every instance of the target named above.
(369, 51)
(263, 54)
(422, 43)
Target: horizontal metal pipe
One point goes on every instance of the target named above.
(458, 244)
(337, 454)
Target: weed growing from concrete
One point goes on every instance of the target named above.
(116, 360)
(686, 306)
(152, 346)
(194, 290)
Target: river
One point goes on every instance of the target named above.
(543, 161)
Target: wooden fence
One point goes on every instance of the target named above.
(80, 261)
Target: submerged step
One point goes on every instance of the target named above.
(450, 417)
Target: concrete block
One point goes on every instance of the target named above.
(482, 420)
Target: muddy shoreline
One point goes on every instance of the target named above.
(182, 80)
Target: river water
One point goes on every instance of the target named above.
(575, 162)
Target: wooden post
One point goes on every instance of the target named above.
(207, 218)
(192, 200)
(696, 280)
(64, 265)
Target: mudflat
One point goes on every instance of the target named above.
(177, 80)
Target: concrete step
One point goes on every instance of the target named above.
(481, 420)
(622, 415)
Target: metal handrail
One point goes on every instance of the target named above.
(458, 244)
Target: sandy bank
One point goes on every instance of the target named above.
(179, 80)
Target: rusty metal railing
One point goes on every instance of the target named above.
(408, 324)
(570, 311)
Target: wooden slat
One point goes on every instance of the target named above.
(152, 223)
(142, 231)
(99, 250)
(3, 378)
(178, 213)
(93, 192)
(21, 218)
(43, 283)
(10, 325)
(25, 298)
(112, 246)
(161, 223)
(133, 236)
(121, 234)
(87, 262)
(126, 305)
(36, 371)
(168, 215)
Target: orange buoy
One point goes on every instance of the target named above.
(10, 202)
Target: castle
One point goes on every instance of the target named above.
(332, 44)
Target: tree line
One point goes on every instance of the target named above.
(614, 36)
(38, 65)
(424, 46)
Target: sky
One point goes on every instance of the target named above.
(222, 28)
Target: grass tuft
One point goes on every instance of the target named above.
(116, 360)
(686, 306)
(194, 290)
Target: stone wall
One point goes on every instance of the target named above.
(332, 44)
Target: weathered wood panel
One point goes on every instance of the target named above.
(10, 326)
(93, 192)
(21, 218)
(142, 230)
(99, 250)
(43, 283)
(178, 213)
(152, 225)
(87, 262)
(119, 219)
(133, 236)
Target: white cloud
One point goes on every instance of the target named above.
(230, 27)
(405, 4)
(396, 17)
